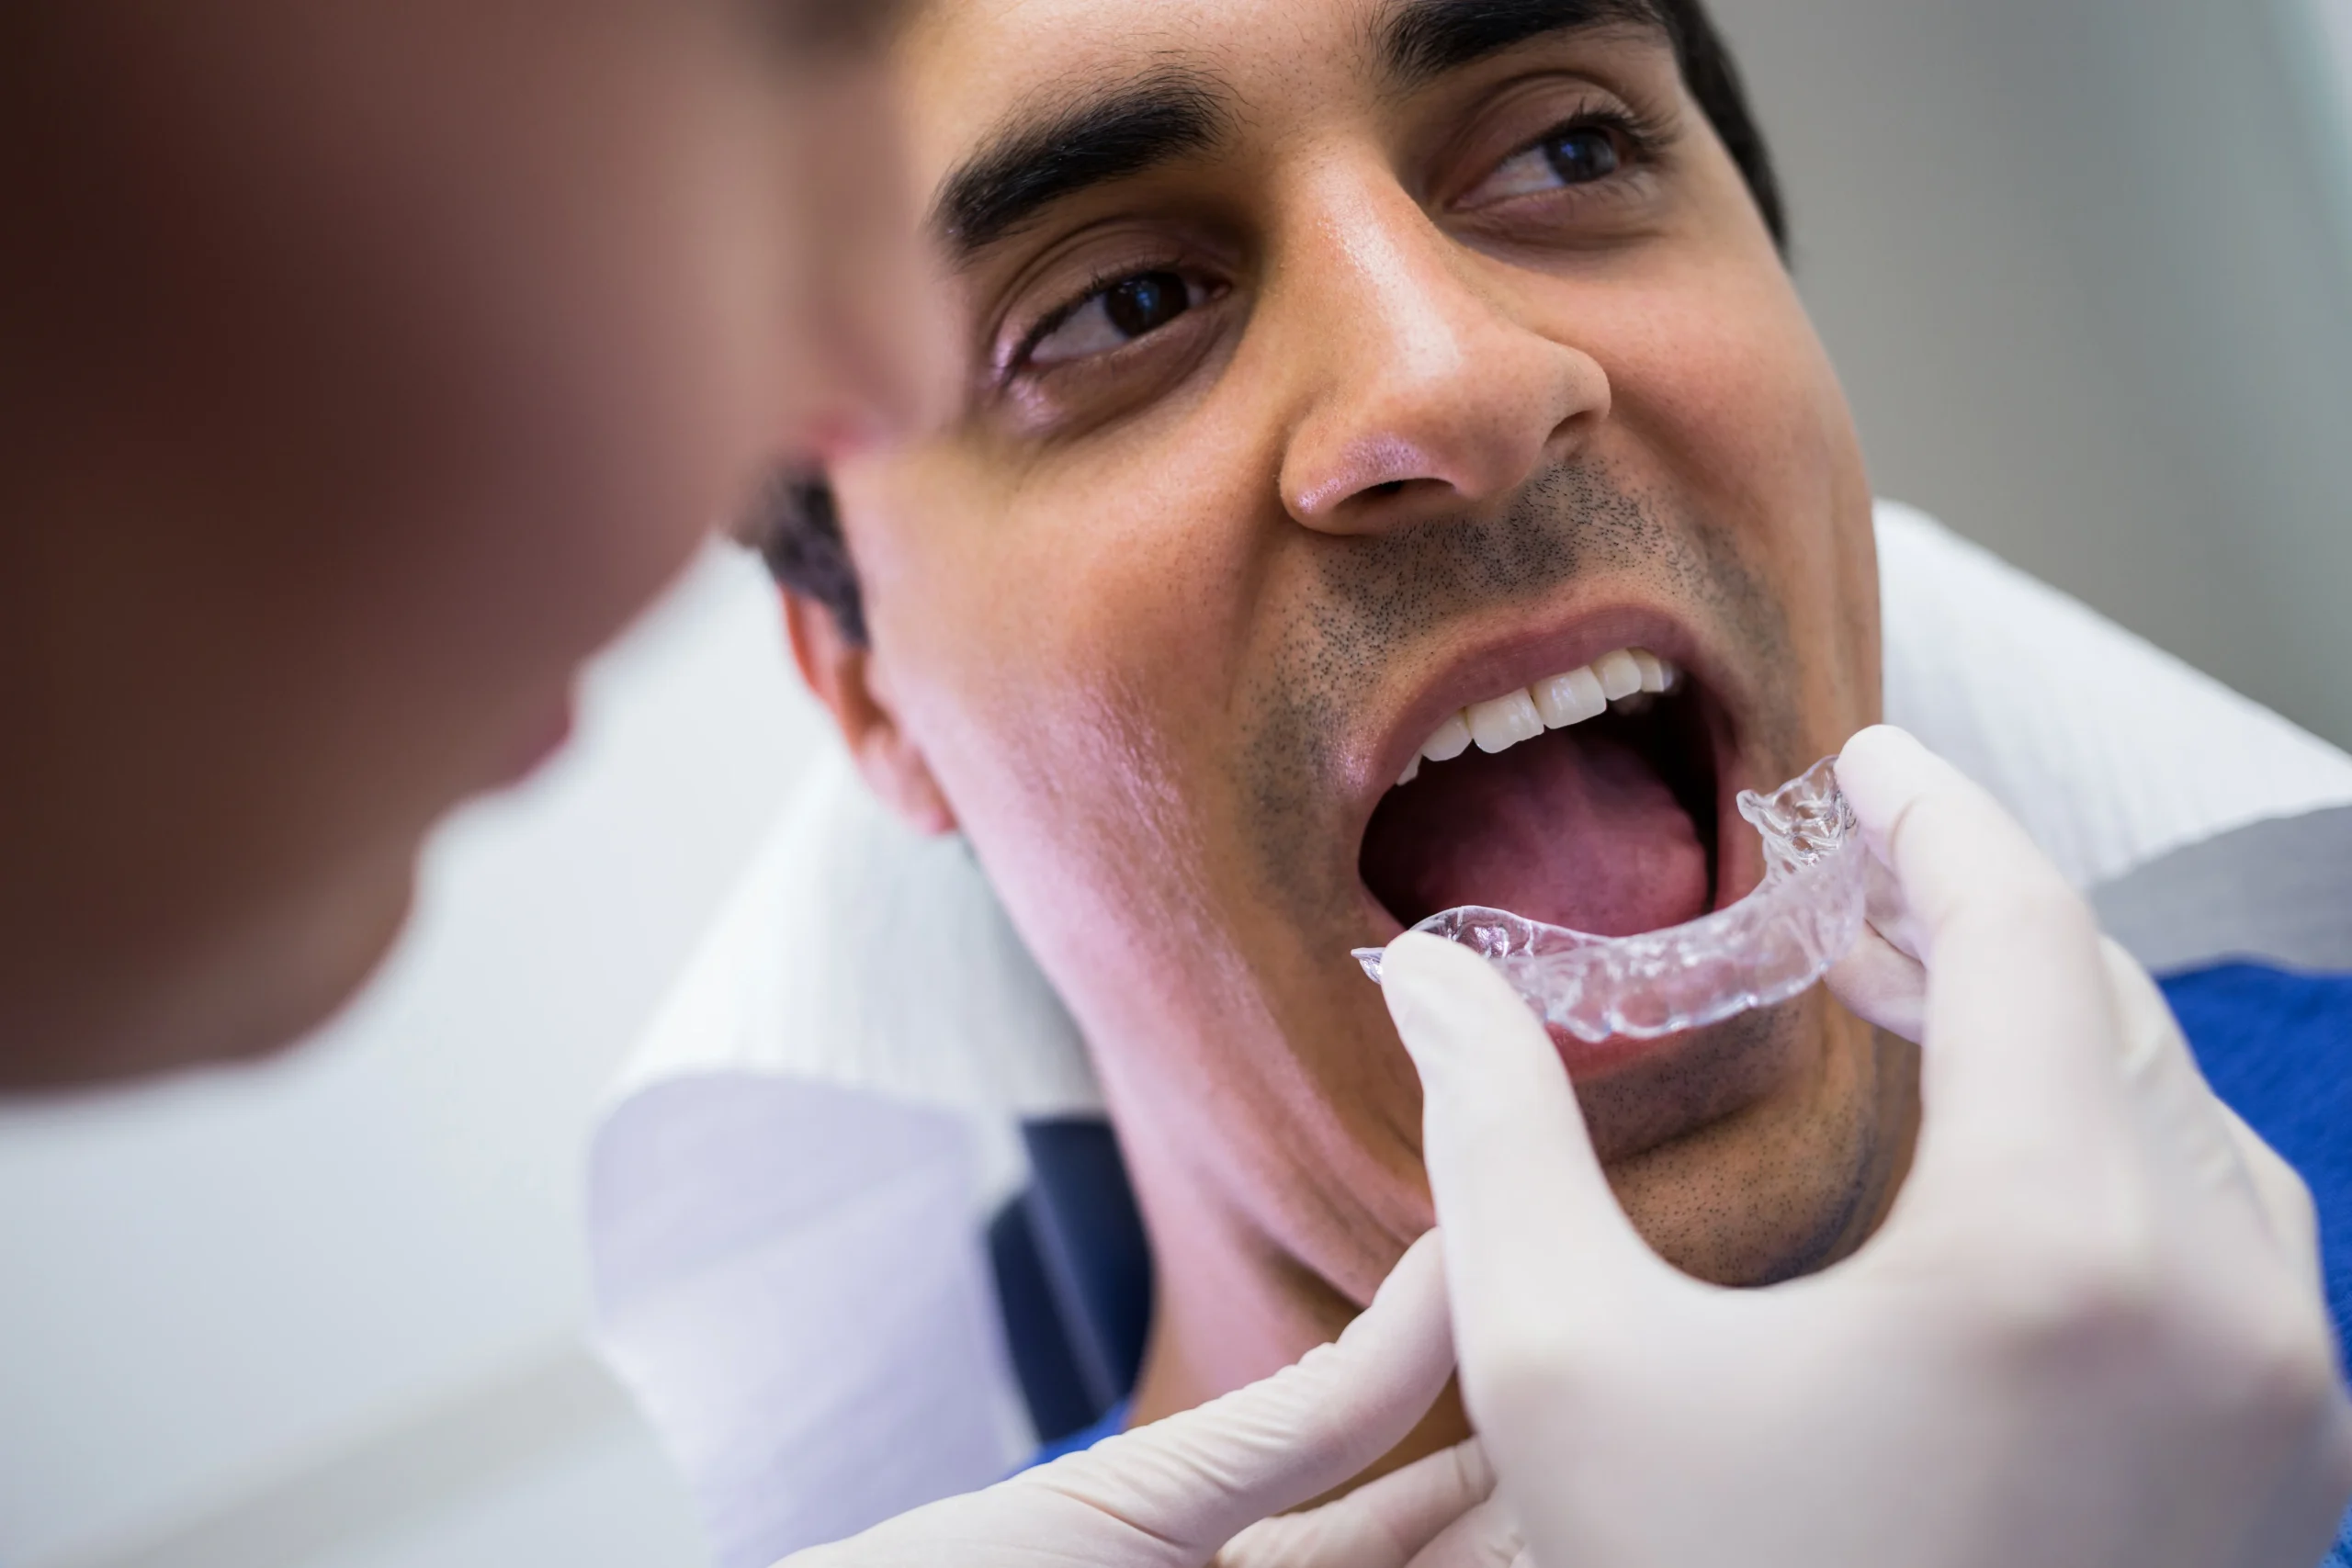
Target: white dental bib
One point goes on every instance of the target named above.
(788, 1187)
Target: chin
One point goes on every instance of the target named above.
(340, 949)
(1777, 1150)
(247, 991)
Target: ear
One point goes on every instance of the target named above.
(840, 672)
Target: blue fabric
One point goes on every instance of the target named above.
(1073, 1276)
(1091, 1245)
(1034, 1335)
(2278, 1048)
(1114, 1422)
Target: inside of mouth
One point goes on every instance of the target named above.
(1608, 826)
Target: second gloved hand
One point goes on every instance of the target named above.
(1208, 1484)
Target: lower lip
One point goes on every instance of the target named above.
(1588, 1061)
(1584, 1059)
(1639, 1093)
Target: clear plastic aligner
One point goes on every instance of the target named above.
(1765, 949)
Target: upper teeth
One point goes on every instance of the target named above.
(1553, 703)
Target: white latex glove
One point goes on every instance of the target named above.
(2089, 1331)
(1205, 1485)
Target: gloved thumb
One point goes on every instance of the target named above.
(1170, 1494)
(2198, 1134)
(1883, 984)
(1881, 977)
(1530, 1222)
(1438, 1512)
(1194, 1480)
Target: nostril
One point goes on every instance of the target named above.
(1382, 504)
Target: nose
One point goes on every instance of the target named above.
(1427, 397)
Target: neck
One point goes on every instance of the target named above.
(1227, 1307)
(1231, 1305)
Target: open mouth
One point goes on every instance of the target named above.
(1587, 799)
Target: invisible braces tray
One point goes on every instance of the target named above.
(1764, 949)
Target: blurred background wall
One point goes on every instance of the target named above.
(2087, 268)
(2086, 265)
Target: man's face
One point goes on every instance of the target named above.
(1336, 365)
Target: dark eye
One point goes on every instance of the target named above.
(1138, 305)
(1115, 314)
(1580, 154)
(1572, 155)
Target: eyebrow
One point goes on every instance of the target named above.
(1026, 168)
(1420, 39)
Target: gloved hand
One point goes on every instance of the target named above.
(2089, 1331)
(1206, 1485)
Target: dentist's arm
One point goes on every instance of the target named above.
(2089, 1331)
(1206, 1486)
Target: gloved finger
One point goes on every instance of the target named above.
(1380, 1525)
(1486, 1537)
(2208, 1143)
(2205, 1144)
(1882, 984)
(2177, 1107)
(2286, 1202)
(1535, 1238)
(2199, 1131)
(2029, 1090)
(1194, 1480)
(1884, 908)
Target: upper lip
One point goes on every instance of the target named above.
(1519, 657)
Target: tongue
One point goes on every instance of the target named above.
(1573, 828)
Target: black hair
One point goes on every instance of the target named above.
(798, 531)
(798, 528)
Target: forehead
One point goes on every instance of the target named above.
(983, 69)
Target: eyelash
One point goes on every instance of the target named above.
(1645, 138)
(1098, 283)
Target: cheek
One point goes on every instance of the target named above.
(1725, 374)
(1721, 384)
(1062, 655)
(1047, 599)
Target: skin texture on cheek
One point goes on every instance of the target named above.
(1035, 725)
